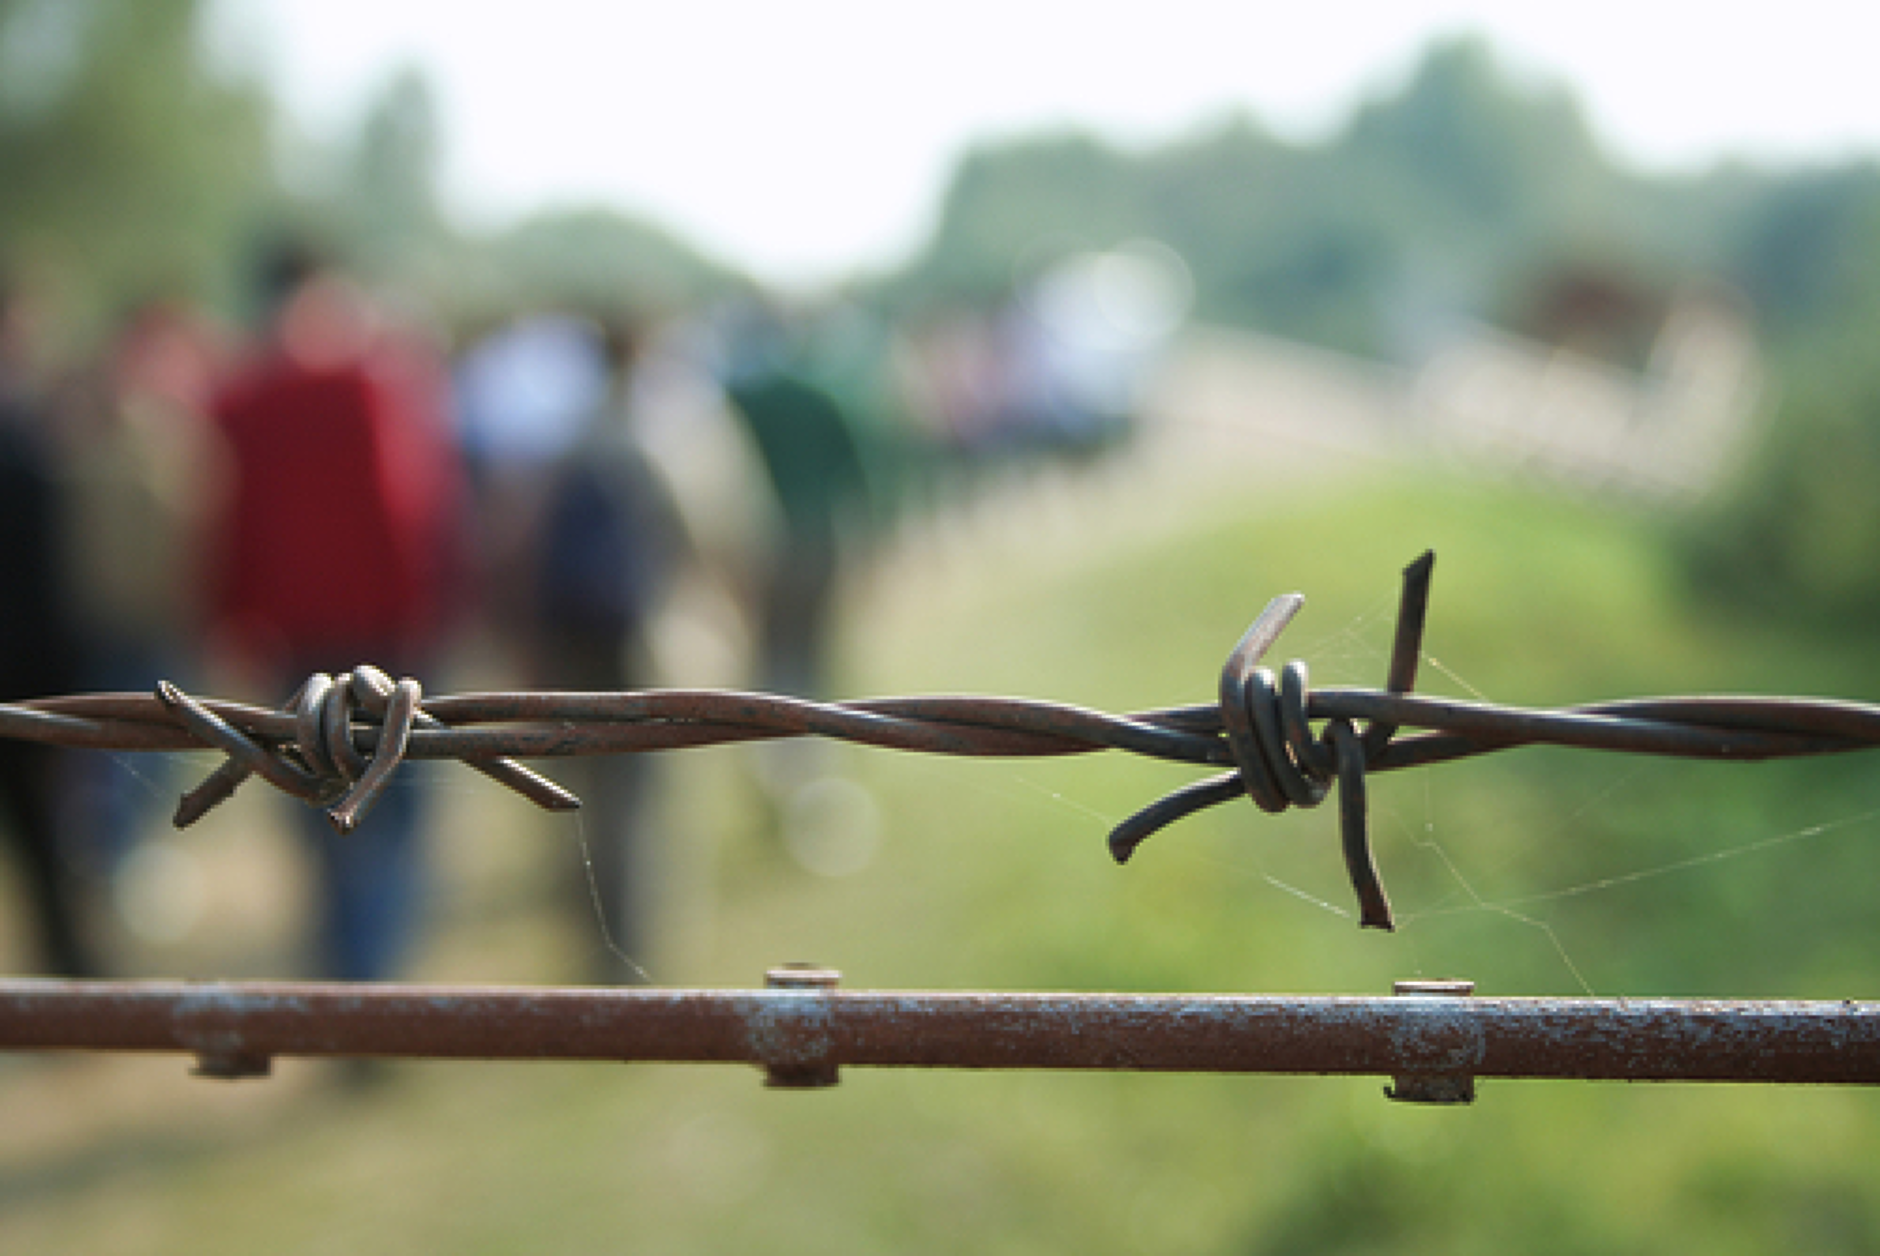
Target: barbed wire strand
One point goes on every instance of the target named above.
(338, 740)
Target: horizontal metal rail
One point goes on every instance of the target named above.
(1434, 1038)
(339, 739)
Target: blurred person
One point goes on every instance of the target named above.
(814, 463)
(333, 547)
(809, 450)
(1082, 341)
(36, 655)
(524, 392)
(137, 479)
(608, 542)
(719, 489)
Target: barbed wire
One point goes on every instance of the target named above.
(338, 740)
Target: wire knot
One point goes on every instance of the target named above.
(1280, 762)
(350, 733)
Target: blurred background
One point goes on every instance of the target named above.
(839, 351)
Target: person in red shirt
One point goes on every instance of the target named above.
(334, 548)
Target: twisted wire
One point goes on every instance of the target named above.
(338, 740)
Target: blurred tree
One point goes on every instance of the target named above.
(1271, 240)
(1464, 193)
(1801, 532)
(132, 160)
(1443, 185)
(1018, 204)
(1803, 246)
(593, 259)
(1477, 147)
(389, 186)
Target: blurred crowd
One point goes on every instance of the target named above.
(561, 498)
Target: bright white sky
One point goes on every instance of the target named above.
(806, 138)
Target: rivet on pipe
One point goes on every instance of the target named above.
(1442, 1046)
(795, 1047)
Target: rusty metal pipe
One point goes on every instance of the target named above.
(809, 1029)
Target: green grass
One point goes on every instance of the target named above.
(993, 874)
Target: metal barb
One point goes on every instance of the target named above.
(339, 739)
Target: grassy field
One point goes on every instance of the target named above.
(1535, 872)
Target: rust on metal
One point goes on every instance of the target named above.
(1451, 1085)
(339, 739)
(800, 1034)
(796, 1049)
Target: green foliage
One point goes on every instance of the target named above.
(1806, 255)
(131, 162)
(1019, 203)
(1434, 196)
(387, 195)
(592, 259)
(1479, 148)
(135, 162)
(1454, 196)
(1800, 532)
